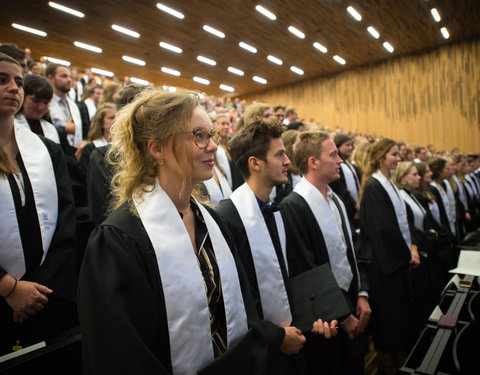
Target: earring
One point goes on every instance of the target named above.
(161, 162)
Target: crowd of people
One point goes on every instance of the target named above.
(204, 214)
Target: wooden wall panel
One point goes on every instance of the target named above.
(432, 97)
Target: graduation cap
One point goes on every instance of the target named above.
(315, 295)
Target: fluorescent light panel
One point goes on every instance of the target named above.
(320, 47)
(102, 72)
(296, 32)
(266, 12)
(126, 31)
(373, 32)
(171, 47)
(213, 31)
(57, 61)
(203, 81)
(274, 60)
(445, 32)
(227, 88)
(261, 80)
(88, 47)
(388, 47)
(236, 71)
(170, 11)
(435, 14)
(139, 81)
(133, 60)
(171, 71)
(339, 59)
(206, 60)
(29, 29)
(354, 13)
(66, 9)
(248, 47)
(296, 70)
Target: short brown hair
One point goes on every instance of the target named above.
(308, 143)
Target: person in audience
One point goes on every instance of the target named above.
(420, 154)
(279, 112)
(93, 99)
(36, 68)
(255, 112)
(76, 91)
(360, 155)
(38, 275)
(402, 150)
(386, 237)
(291, 115)
(109, 92)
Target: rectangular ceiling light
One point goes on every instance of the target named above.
(354, 13)
(66, 9)
(296, 32)
(320, 47)
(274, 60)
(57, 61)
(206, 60)
(171, 71)
(133, 60)
(339, 59)
(227, 88)
(171, 47)
(126, 31)
(213, 31)
(29, 29)
(261, 80)
(88, 47)
(373, 32)
(248, 47)
(236, 71)
(102, 72)
(388, 47)
(296, 70)
(445, 32)
(203, 81)
(170, 11)
(139, 81)
(435, 14)
(266, 12)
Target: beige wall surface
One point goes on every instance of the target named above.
(433, 97)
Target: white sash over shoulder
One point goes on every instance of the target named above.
(183, 286)
(271, 285)
(217, 193)
(49, 129)
(348, 172)
(38, 164)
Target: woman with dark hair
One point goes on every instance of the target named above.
(386, 238)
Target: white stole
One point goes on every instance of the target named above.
(217, 193)
(224, 163)
(77, 138)
(461, 192)
(472, 185)
(348, 172)
(337, 253)
(435, 211)
(446, 204)
(398, 205)
(452, 214)
(417, 209)
(267, 268)
(38, 164)
(49, 129)
(183, 286)
(99, 142)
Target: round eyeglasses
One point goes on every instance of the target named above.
(201, 137)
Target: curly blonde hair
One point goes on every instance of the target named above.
(153, 115)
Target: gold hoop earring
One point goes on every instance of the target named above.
(161, 162)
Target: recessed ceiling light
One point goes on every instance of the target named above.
(445, 32)
(266, 12)
(248, 47)
(170, 71)
(206, 60)
(296, 32)
(139, 81)
(227, 88)
(435, 15)
(66, 9)
(170, 11)
(57, 61)
(102, 72)
(203, 81)
(261, 80)
(171, 47)
(172, 89)
(274, 59)
(296, 70)
(236, 71)
(126, 31)
(29, 29)
(213, 31)
(373, 32)
(339, 59)
(133, 60)
(88, 47)
(354, 13)
(388, 47)
(320, 47)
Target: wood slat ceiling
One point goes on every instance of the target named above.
(406, 24)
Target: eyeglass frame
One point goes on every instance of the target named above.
(209, 135)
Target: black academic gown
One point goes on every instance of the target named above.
(121, 303)
(306, 249)
(57, 272)
(388, 271)
(279, 363)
